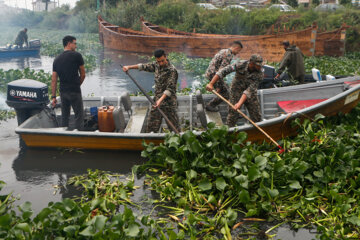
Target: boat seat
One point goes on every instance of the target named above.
(204, 115)
(296, 105)
(137, 120)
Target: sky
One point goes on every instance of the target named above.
(27, 3)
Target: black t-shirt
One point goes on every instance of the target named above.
(66, 65)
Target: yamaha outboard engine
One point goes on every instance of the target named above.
(28, 97)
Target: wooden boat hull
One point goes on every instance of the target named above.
(268, 46)
(277, 125)
(330, 43)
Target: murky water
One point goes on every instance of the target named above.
(32, 174)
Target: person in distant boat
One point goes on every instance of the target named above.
(221, 59)
(69, 67)
(293, 60)
(243, 88)
(22, 38)
(166, 77)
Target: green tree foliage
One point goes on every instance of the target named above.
(293, 3)
(85, 4)
(172, 13)
(127, 14)
(345, 2)
(25, 19)
(84, 21)
(315, 2)
(56, 19)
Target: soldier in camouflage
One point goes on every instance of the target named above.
(220, 60)
(243, 88)
(293, 60)
(22, 38)
(166, 77)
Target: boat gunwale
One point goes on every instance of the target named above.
(144, 22)
(169, 36)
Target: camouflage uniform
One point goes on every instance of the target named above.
(221, 59)
(165, 83)
(293, 60)
(244, 82)
(21, 39)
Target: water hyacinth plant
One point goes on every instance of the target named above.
(95, 215)
(15, 74)
(220, 175)
(214, 186)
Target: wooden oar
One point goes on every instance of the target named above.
(152, 102)
(247, 118)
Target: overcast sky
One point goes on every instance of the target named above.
(27, 3)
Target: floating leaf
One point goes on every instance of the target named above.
(221, 184)
(295, 184)
(205, 185)
(244, 196)
(132, 231)
(254, 173)
(273, 193)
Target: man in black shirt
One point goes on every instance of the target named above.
(67, 67)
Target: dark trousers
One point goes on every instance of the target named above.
(252, 105)
(74, 100)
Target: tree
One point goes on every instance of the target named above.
(293, 3)
(345, 2)
(315, 2)
(46, 4)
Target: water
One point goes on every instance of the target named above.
(108, 79)
(32, 174)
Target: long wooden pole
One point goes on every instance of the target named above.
(153, 103)
(247, 118)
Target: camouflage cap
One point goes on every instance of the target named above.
(257, 59)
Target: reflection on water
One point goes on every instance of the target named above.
(43, 167)
(32, 174)
(35, 62)
(3, 105)
(73, 161)
(107, 79)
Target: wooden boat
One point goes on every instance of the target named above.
(279, 106)
(268, 46)
(330, 43)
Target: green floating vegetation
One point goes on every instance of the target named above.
(15, 74)
(6, 114)
(94, 215)
(213, 186)
(219, 176)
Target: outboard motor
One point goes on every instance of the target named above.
(28, 97)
